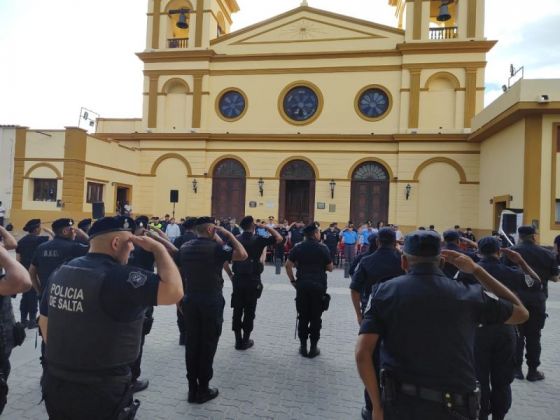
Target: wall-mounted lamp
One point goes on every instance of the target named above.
(182, 22)
(195, 185)
(332, 184)
(407, 190)
(261, 186)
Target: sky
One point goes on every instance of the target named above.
(59, 56)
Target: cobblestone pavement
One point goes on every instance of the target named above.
(271, 381)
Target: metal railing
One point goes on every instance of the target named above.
(449, 32)
(178, 43)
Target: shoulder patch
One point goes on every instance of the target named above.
(137, 279)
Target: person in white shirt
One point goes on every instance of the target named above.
(172, 230)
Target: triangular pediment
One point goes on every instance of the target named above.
(306, 25)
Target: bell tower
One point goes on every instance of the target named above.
(187, 24)
(437, 20)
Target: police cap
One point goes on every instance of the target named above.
(62, 223)
(246, 222)
(204, 221)
(142, 222)
(32, 225)
(112, 224)
(451, 235)
(83, 224)
(422, 243)
(387, 235)
(310, 229)
(188, 224)
(489, 245)
(526, 230)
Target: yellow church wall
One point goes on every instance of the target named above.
(119, 125)
(501, 170)
(548, 229)
(45, 144)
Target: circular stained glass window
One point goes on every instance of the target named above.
(300, 103)
(373, 103)
(232, 105)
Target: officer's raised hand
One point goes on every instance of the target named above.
(516, 258)
(239, 252)
(463, 262)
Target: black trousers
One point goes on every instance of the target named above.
(410, 408)
(180, 322)
(530, 335)
(204, 315)
(5, 369)
(244, 303)
(71, 401)
(135, 368)
(28, 305)
(494, 352)
(309, 305)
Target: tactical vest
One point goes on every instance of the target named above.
(200, 271)
(7, 322)
(81, 336)
(252, 266)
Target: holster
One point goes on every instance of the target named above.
(326, 301)
(389, 386)
(473, 403)
(147, 327)
(19, 334)
(128, 407)
(260, 288)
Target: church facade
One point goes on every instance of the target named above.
(309, 115)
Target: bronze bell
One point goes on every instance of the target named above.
(444, 11)
(182, 22)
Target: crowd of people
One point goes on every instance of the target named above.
(435, 312)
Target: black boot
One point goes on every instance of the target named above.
(206, 394)
(303, 347)
(238, 340)
(193, 390)
(247, 343)
(534, 375)
(313, 350)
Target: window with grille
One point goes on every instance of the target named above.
(94, 192)
(44, 189)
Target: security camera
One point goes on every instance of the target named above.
(543, 99)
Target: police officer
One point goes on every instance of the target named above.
(188, 235)
(350, 240)
(13, 279)
(201, 261)
(91, 318)
(494, 347)
(410, 313)
(379, 266)
(246, 280)
(25, 250)
(331, 238)
(145, 260)
(312, 259)
(50, 255)
(370, 249)
(543, 262)
(84, 225)
(296, 233)
(452, 239)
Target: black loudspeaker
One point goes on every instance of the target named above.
(174, 196)
(98, 210)
(509, 223)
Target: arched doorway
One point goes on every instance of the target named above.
(228, 190)
(297, 192)
(370, 193)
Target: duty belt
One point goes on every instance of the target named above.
(448, 399)
(86, 377)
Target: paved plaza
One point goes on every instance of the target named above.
(271, 380)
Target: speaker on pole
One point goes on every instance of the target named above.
(98, 210)
(174, 196)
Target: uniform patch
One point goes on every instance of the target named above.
(137, 279)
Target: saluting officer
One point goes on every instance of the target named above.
(494, 347)
(312, 260)
(410, 313)
(379, 266)
(201, 261)
(246, 280)
(331, 238)
(84, 225)
(13, 279)
(452, 239)
(543, 262)
(50, 255)
(25, 250)
(92, 317)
